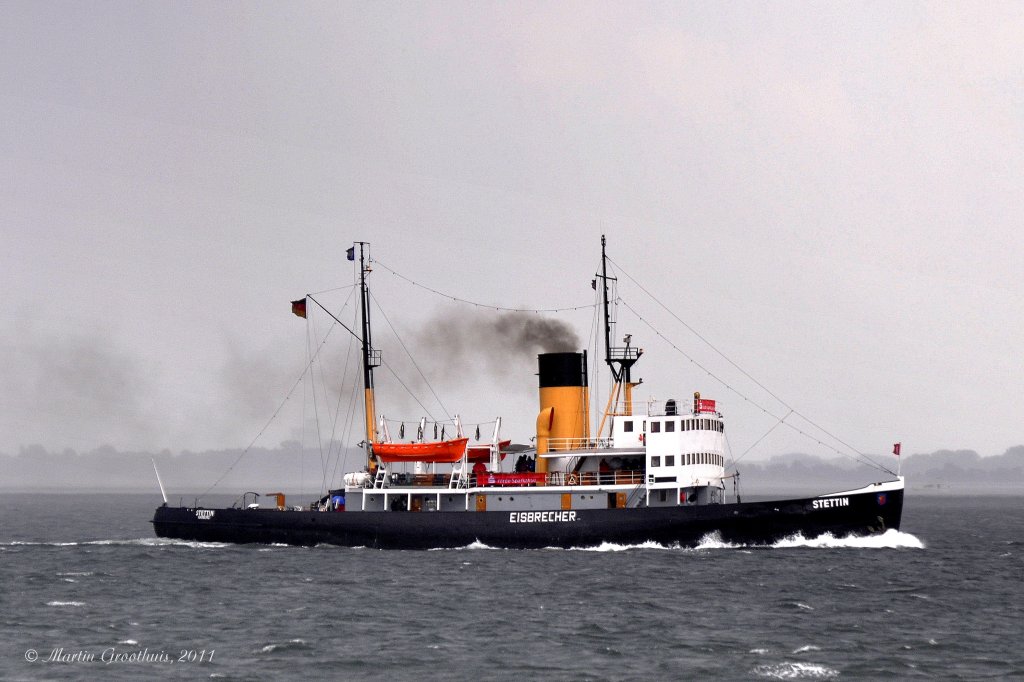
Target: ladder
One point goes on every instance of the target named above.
(634, 497)
(458, 479)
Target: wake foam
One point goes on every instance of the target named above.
(615, 547)
(290, 645)
(137, 542)
(795, 671)
(890, 539)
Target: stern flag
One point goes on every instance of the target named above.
(299, 307)
(896, 449)
(351, 253)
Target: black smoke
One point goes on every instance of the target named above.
(501, 343)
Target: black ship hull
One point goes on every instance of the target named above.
(862, 512)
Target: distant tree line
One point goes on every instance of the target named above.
(293, 468)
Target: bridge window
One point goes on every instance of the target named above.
(655, 427)
(655, 461)
(670, 460)
(670, 426)
(627, 426)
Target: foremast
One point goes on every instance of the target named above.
(371, 358)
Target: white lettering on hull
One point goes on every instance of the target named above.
(542, 517)
(830, 502)
(204, 514)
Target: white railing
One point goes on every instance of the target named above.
(564, 444)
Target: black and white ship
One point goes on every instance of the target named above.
(648, 473)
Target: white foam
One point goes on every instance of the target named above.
(476, 544)
(890, 539)
(714, 541)
(615, 547)
(788, 670)
(129, 642)
(807, 647)
(65, 603)
(290, 644)
(141, 542)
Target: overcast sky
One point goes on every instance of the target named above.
(830, 193)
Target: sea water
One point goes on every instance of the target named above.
(88, 592)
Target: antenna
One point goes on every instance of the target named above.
(163, 492)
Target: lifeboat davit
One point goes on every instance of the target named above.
(443, 452)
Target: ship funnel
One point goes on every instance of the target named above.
(563, 422)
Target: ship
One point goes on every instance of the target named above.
(643, 472)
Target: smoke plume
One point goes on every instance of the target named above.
(503, 343)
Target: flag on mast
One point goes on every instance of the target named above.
(896, 448)
(299, 307)
(351, 253)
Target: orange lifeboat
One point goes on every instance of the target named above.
(482, 453)
(446, 451)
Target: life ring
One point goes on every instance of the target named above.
(572, 479)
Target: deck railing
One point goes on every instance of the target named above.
(564, 444)
(556, 478)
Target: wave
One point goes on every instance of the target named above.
(615, 547)
(137, 542)
(290, 645)
(890, 539)
(65, 603)
(788, 670)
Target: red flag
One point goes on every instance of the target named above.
(299, 307)
(896, 449)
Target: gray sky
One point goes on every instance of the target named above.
(830, 193)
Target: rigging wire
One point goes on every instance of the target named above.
(326, 461)
(481, 305)
(273, 416)
(864, 458)
(747, 375)
(310, 333)
(765, 435)
(413, 360)
(337, 408)
(407, 389)
(346, 433)
(331, 291)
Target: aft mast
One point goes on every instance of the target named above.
(620, 358)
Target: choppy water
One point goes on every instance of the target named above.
(83, 575)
